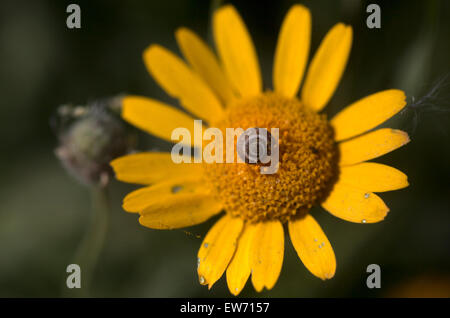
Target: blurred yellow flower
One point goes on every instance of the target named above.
(426, 285)
(321, 162)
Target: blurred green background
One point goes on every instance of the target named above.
(44, 213)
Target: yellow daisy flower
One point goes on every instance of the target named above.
(321, 162)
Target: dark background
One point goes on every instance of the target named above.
(44, 213)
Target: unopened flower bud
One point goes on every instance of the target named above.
(90, 137)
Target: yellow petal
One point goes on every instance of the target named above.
(239, 269)
(154, 117)
(327, 67)
(371, 145)
(179, 81)
(313, 247)
(178, 211)
(355, 205)
(205, 63)
(373, 177)
(367, 113)
(236, 51)
(267, 254)
(292, 51)
(142, 198)
(151, 167)
(217, 249)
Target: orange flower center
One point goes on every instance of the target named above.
(307, 160)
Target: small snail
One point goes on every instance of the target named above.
(255, 145)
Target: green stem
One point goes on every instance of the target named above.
(92, 243)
